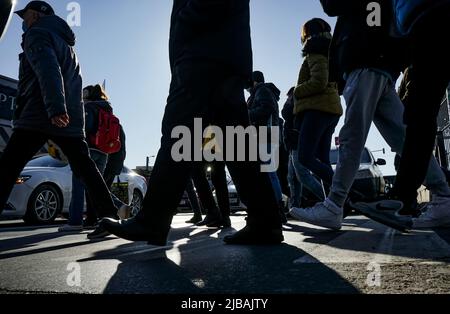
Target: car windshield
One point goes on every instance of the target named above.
(365, 157)
(47, 162)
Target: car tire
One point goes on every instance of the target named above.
(44, 205)
(136, 203)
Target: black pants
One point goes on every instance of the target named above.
(219, 181)
(193, 199)
(211, 92)
(23, 145)
(283, 171)
(204, 191)
(316, 131)
(430, 76)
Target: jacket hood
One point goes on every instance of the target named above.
(272, 88)
(100, 103)
(318, 45)
(57, 25)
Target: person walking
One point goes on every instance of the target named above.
(317, 102)
(263, 111)
(211, 61)
(423, 23)
(95, 101)
(299, 177)
(49, 107)
(370, 60)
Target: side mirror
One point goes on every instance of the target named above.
(6, 11)
(381, 162)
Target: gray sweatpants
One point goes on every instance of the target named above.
(371, 97)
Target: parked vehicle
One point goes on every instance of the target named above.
(44, 190)
(369, 179)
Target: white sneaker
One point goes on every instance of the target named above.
(326, 214)
(69, 228)
(437, 214)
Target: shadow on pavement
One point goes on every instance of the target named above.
(204, 265)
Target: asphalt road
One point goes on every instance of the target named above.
(365, 257)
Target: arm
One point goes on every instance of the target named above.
(340, 7)
(264, 107)
(318, 81)
(204, 12)
(44, 62)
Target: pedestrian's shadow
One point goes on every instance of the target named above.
(371, 237)
(203, 264)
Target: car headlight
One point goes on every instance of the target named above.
(22, 179)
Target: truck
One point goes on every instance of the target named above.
(8, 93)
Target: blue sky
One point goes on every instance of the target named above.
(126, 44)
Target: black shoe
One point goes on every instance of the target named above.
(98, 233)
(249, 236)
(132, 230)
(210, 221)
(226, 222)
(90, 224)
(195, 220)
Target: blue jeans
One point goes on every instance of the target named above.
(304, 178)
(294, 185)
(76, 208)
(276, 186)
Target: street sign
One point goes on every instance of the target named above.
(8, 93)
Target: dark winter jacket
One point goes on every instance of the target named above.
(50, 82)
(409, 12)
(263, 106)
(218, 31)
(357, 45)
(290, 133)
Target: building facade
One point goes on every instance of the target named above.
(443, 150)
(8, 92)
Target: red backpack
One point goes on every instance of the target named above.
(107, 138)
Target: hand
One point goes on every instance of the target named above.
(61, 121)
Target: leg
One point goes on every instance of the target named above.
(193, 94)
(254, 187)
(324, 147)
(429, 80)
(100, 159)
(219, 180)
(363, 91)
(76, 208)
(294, 184)
(193, 199)
(305, 177)
(315, 126)
(22, 146)
(283, 170)
(389, 121)
(204, 192)
(77, 151)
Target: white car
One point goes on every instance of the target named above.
(44, 190)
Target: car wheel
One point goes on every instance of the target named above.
(136, 203)
(44, 205)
